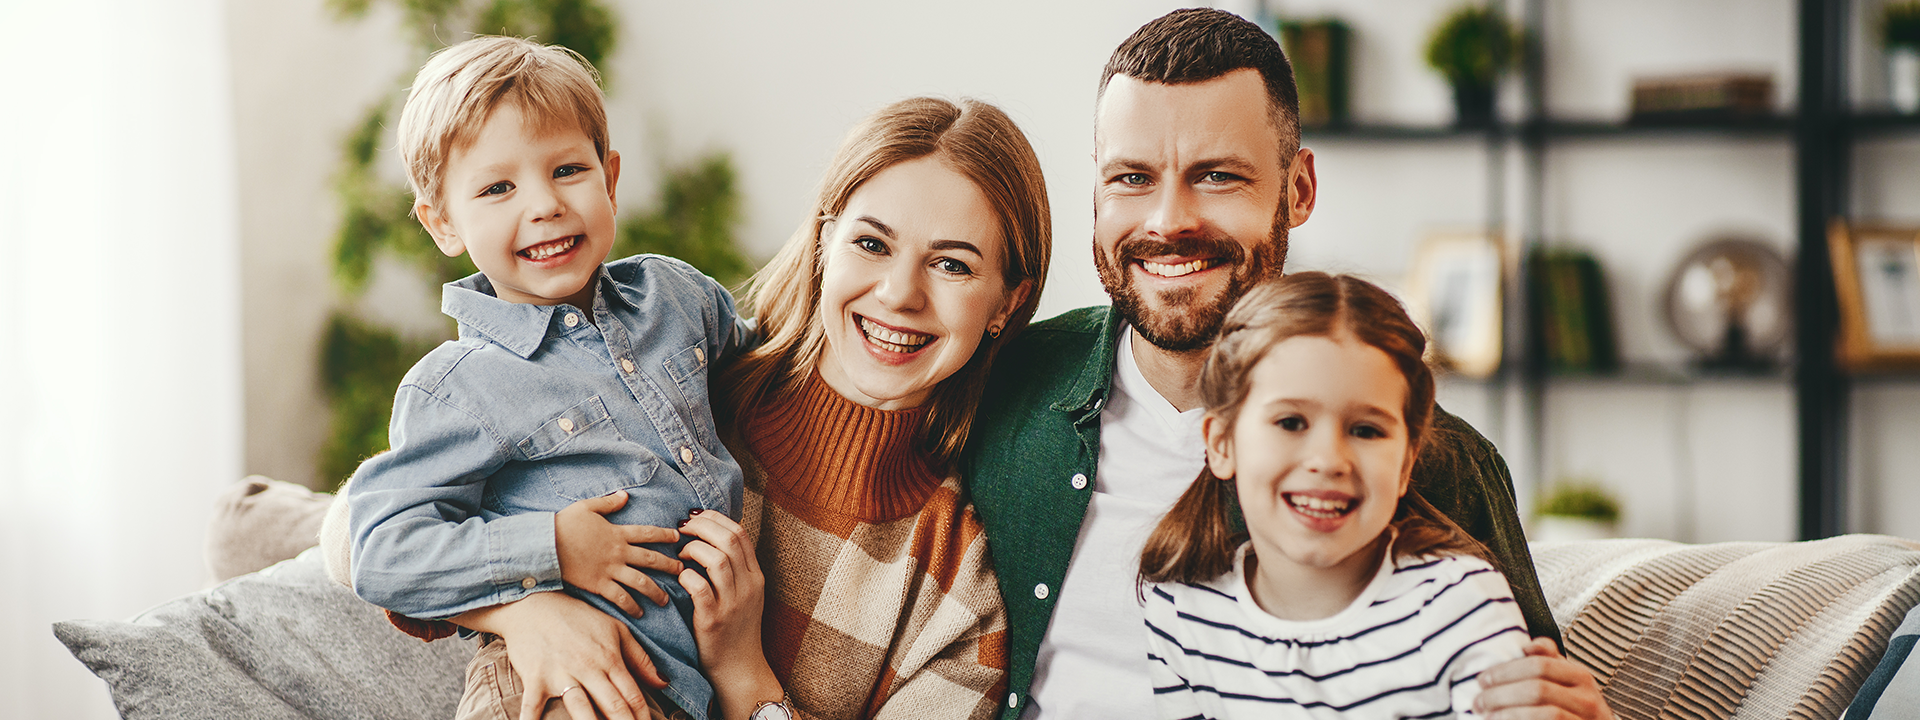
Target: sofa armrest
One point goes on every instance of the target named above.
(1763, 630)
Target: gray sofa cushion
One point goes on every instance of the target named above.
(285, 642)
(1730, 630)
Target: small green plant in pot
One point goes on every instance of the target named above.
(1900, 33)
(1576, 510)
(1472, 48)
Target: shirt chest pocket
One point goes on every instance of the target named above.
(582, 455)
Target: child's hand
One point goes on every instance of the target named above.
(600, 557)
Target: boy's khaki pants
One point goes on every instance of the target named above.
(493, 691)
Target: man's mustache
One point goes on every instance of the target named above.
(1211, 245)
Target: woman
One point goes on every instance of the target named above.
(857, 582)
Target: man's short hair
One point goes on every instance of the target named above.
(1199, 44)
(459, 87)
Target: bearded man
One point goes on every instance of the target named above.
(1091, 426)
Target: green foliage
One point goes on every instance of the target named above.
(1582, 500)
(693, 220)
(585, 26)
(362, 364)
(1900, 25)
(1473, 46)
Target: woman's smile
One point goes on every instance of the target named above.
(892, 344)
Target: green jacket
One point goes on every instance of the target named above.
(1030, 468)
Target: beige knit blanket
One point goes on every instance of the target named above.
(1729, 630)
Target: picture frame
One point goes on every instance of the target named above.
(1876, 272)
(1454, 292)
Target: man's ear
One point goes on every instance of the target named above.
(440, 228)
(1219, 445)
(1302, 188)
(613, 178)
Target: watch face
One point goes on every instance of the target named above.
(773, 711)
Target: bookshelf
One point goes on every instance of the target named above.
(1820, 131)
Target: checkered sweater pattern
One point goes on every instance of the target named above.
(881, 599)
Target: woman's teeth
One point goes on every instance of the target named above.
(894, 340)
(1319, 507)
(550, 249)
(1185, 268)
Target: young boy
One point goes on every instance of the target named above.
(572, 380)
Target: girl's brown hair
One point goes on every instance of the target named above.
(974, 139)
(1195, 542)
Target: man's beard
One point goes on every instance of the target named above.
(1186, 322)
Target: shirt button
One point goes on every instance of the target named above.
(529, 583)
(566, 425)
(1040, 591)
(626, 364)
(700, 355)
(686, 455)
(572, 320)
(1079, 481)
(1013, 700)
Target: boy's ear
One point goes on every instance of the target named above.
(1219, 446)
(441, 230)
(613, 178)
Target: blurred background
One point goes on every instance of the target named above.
(209, 273)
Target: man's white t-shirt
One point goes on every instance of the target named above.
(1093, 659)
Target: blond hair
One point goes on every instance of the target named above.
(976, 140)
(461, 85)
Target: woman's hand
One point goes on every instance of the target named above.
(556, 642)
(1543, 685)
(727, 606)
(603, 558)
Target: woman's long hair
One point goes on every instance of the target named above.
(974, 139)
(1195, 542)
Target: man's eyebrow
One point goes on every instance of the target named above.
(1232, 164)
(1131, 164)
(877, 225)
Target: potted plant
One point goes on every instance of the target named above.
(1900, 33)
(1576, 511)
(1472, 48)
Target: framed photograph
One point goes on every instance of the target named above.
(1453, 291)
(1877, 273)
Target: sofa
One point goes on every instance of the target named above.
(1725, 630)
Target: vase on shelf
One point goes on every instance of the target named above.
(1473, 105)
(1903, 78)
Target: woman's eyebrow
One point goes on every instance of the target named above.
(877, 225)
(958, 245)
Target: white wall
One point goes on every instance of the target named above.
(119, 305)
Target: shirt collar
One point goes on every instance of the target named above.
(518, 327)
(1089, 391)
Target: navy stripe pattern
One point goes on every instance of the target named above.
(1409, 647)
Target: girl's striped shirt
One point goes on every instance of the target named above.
(1410, 646)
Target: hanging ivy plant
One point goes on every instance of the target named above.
(362, 362)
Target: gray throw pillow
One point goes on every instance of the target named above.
(284, 642)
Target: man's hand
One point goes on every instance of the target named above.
(1541, 686)
(604, 559)
(556, 643)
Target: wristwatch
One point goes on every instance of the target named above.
(773, 710)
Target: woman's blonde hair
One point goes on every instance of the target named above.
(976, 140)
(462, 84)
(1195, 542)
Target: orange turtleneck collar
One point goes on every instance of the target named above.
(824, 450)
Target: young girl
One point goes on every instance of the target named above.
(1353, 597)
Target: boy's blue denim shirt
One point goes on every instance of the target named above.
(532, 409)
